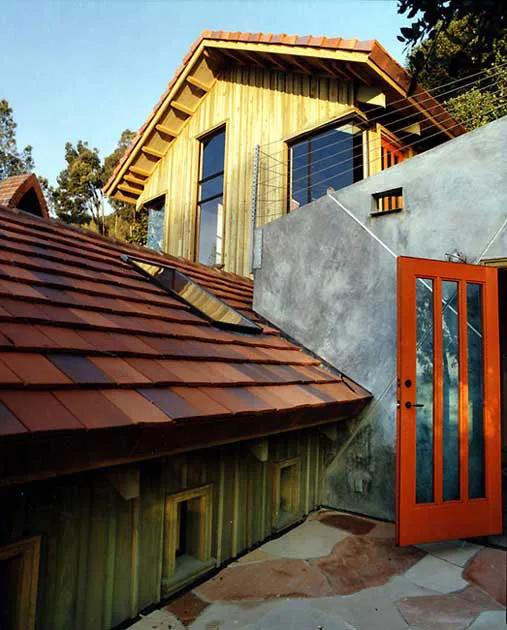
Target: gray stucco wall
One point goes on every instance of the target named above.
(329, 284)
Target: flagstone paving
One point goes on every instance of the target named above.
(341, 572)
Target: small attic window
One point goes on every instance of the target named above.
(194, 295)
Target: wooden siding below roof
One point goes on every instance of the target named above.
(258, 107)
(102, 539)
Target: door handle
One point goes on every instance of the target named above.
(409, 405)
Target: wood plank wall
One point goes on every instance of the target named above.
(101, 554)
(258, 107)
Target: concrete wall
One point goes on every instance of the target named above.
(327, 282)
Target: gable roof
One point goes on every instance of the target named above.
(23, 191)
(346, 59)
(88, 345)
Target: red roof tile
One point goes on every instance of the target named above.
(89, 343)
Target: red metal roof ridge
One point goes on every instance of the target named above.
(265, 38)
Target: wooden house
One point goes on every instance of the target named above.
(152, 427)
(254, 125)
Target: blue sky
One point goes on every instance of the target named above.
(89, 69)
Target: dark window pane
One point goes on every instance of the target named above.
(155, 233)
(329, 159)
(450, 372)
(213, 154)
(212, 187)
(476, 484)
(211, 229)
(424, 391)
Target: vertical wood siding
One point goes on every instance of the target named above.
(258, 107)
(101, 555)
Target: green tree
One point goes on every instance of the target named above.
(455, 55)
(432, 18)
(12, 161)
(78, 195)
(126, 222)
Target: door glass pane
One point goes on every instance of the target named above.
(450, 377)
(476, 487)
(424, 391)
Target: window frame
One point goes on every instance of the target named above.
(26, 605)
(276, 512)
(170, 578)
(201, 139)
(353, 118)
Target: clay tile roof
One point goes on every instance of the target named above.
(23, 191)
(88, 344)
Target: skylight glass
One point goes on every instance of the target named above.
(199, 299)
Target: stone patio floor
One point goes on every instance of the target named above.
(341, 572)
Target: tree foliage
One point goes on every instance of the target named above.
(458, 71)
(78, 194)
(431, 18)
(78, 197)
(12, 160)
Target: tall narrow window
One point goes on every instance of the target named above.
(210, 207)
(327, 159)
(155, 233)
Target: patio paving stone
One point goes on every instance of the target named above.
(310, 540)
(488, 570)
(187, 608)
(454, 611)
(491, 620)
(456, 551)
(436, 574)
(271, 579)
(360, 562)
(350, 523)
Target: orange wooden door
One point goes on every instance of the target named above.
(448, 431)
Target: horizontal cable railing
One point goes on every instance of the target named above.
(275, 186)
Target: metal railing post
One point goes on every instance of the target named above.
(255, 197)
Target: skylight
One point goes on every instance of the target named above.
(199, 299)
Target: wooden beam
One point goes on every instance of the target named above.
(129, 189)
(330, 431)
(125, 481)
(152, 152)
(279, 65)
(341, 72)
(182, 108)
(140, 171)
(166, 131)
(355, 73)
(134, 180)
(414, 129)
(371, 95)
(259, 450)
(123, 197)
(253, 58)
(304, 68)
(330, 69)
(205, 87)
(235, 58)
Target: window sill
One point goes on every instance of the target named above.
(381, 213)
(188, 569)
